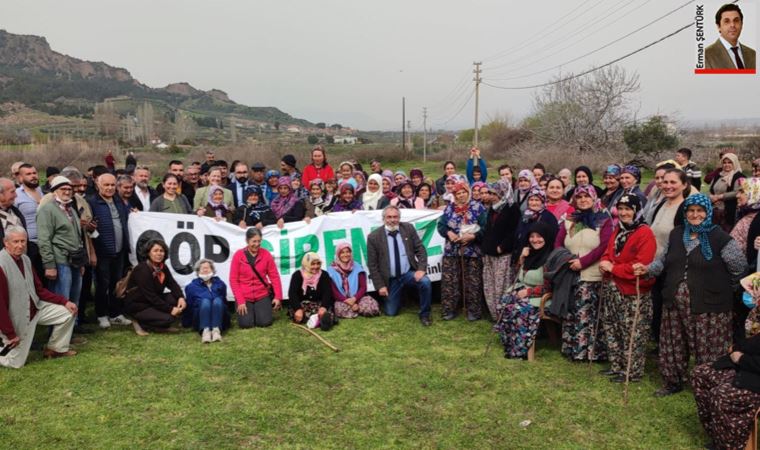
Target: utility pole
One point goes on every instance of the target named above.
(409, 128)
(477, 72)
(403, 123)
(424, 134)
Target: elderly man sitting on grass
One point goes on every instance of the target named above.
(25, 303)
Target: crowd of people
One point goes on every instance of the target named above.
(618, 266)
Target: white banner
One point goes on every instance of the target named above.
(191, 238)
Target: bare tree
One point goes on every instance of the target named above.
(587, 112)
(184, 127)
(145, 120)
(106, 118)
(233, 130)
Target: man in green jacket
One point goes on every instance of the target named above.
(61, 244)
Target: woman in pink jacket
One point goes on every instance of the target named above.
(255, 283)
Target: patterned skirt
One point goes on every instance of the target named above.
(461, 276)
(518, 325)
(683, 334)
(368, 307)
(497, 278)
(582, 338)
(727, 413)
(618, 316)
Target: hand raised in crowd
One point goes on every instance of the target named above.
(640, 269)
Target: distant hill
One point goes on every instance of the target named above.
(33, 74)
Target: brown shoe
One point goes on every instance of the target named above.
(48, 353)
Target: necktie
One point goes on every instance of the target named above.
(739, 63)
(396, 253)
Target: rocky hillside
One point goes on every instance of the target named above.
(41, 78)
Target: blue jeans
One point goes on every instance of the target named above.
(396, 286)
(68, 283)
(210, 313)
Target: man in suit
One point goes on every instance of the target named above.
(143, 192)
(240, 184)
(396, 258)
(727, 52)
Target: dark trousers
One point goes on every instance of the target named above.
(107, 273)
(259, 314)
(85, 296)
(150, 317)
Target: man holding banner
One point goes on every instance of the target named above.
(396, 258)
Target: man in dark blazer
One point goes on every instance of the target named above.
(727, 52)
(396, 258)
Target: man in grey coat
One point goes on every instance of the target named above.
(396, 258)
(25, 303)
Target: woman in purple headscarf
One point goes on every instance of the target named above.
(287, 207)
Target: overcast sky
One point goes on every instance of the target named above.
(352, 61)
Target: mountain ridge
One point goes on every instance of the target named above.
(34, 74)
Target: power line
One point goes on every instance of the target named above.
(594, 69)
(604, 46)
(535, 58)
(459, 111)
(542, 33)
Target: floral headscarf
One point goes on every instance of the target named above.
(343, 269)
(528, 175)
(281, 205)
(751, 188)
(626, 230)
(591, 217)
(220, 209)
(633, 170)
(613, 169)
(309, 280)
(703, 229)
(529, 215)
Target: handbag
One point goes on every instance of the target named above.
(78, 258)
(252, 263)
(120, 291)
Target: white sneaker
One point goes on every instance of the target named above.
(103, 322)
(216, 335)
(206, 336)
(120, 320)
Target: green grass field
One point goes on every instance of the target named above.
(395, 384)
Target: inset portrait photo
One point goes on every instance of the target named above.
(725, 38)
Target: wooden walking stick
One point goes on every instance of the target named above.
(321, 339)
(635, 324)
(464, 287)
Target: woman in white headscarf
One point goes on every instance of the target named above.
(723, 192)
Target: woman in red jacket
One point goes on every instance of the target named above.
(255, 283)
(632, 242)
(319, 168)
